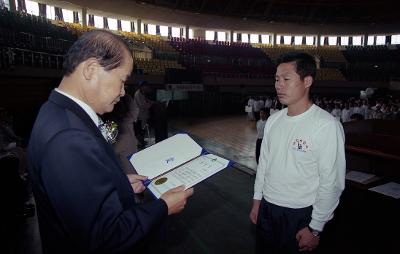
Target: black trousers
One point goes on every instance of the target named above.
(258, 149)
(277, 228)
(139, 131)
(256, 115)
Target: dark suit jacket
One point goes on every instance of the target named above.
(85, 202)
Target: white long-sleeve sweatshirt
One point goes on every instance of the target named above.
(302, 163)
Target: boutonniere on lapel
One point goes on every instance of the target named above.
(109, 129)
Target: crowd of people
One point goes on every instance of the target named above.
(352, 108)
(344, 110)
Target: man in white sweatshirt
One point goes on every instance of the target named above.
(301, 173)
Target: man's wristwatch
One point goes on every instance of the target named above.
(314, 232)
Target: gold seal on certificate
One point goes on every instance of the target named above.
(160, 181)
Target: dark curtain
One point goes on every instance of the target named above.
(169, 31)
(326, 40)
(215, 36)
(181, 32)
(58, 13)
(146, 28)
(105, 23)
(91, 20)
(339, 40)
(350, 40)
(21, 5)
(259, 38)
(76, 17)
(303, 40)
(292, 40)
(282, 41)
(119, 25)
(133, 26)
(158, 30)
(388, 39)
(239, 37)
(42, 10)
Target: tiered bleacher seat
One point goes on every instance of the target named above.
(152, 55)
(328, 54)
(74, 28)
(376, 63)
(330, 58)
(156, 43)
(274, 52)
(155, 66)
(202, 47)
(329, 74)
(32, 41)
(238, 60)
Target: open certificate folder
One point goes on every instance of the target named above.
(176, 161)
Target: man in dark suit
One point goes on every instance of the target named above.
(85, 202)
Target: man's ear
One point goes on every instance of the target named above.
(90, 68)
(308, 80)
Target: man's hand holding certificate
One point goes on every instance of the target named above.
(175, 162)
(176, 198)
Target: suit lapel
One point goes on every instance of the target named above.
(125, 191)
(69, 104)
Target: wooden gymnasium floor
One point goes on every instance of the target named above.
(235, 136)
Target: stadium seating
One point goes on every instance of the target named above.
(154, 66)
(34, 41)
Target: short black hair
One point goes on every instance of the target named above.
(105, 46)
(305, 63)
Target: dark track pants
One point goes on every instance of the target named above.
(277, 228)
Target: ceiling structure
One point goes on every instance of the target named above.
(379, 12)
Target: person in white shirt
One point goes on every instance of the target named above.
(264, 114)
(351, 109)
(268, 102)
(337, 112)
(346, 113)
(368, 112)
(143, 104)
(364, 108)
(301, 173)
(257, 106)
(357, 108)
(250, 114)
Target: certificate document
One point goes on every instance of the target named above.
(176, 161)
(188, 174)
